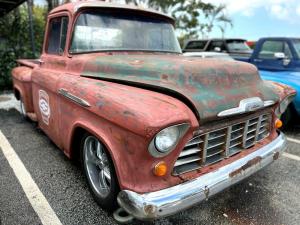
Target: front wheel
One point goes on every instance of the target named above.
(99, 172)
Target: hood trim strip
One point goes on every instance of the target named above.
(247, 105)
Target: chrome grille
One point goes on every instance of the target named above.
(216, 145)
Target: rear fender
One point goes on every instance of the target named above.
(22, 86)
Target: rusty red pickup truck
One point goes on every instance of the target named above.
(156, 132)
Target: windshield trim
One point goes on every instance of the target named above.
(84, 10)
(124, 50)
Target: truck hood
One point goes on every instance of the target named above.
(207, 86)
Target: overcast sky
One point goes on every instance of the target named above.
(253, 19)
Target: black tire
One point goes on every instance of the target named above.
(109, 201)
(286, 117)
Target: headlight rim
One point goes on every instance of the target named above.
(174, 144)
(155, 152)
(278, 110)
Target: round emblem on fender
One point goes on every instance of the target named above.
(44, 106)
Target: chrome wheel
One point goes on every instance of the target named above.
(22, 106)
(97, 166)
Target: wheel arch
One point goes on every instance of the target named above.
(17, 92)
(75, 143)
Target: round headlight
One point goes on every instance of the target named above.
(167, 139)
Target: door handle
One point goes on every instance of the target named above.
(257, 60)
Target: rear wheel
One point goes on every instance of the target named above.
(99, 172)
(23, 109)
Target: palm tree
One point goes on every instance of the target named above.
(217, 15)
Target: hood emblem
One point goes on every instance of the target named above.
(247, 105)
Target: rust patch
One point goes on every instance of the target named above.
(164, 77)
(249, 164)
(151, 131)
(128, 113)
(276, 156)
(100, 104)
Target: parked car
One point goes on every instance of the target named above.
(155, 131)
(234, 46)
(216, 55)
(278, 59)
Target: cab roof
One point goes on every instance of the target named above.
(76, 6)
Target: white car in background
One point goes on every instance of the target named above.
(217, 55)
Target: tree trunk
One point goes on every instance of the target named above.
(52, 4)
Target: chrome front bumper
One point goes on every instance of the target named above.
(174, 199)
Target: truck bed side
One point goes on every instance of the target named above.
(22, 82)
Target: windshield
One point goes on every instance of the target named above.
(296, 43)
(238, 45)
(105, 31)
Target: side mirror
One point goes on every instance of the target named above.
(217, 49)
(279, 55)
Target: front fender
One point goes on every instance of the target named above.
(125, 119)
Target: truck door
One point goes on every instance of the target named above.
(274, 55)
(46, 76)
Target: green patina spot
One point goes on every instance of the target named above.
(223, 86)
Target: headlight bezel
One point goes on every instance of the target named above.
(283, 105)
(157, 153)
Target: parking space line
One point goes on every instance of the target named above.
(293, 140)
(33, 193)
(290, 156)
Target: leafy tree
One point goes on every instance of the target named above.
(15, 39)
(54, 3)
(217, 15)
(192, 17)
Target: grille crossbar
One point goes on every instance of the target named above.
(216, 145)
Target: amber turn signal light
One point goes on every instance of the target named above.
(278, 123)
(160, 169)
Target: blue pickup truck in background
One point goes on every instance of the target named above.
(278, 59)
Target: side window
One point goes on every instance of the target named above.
(287, 51)
(216, 44)
(269, 48)
(196, 45)
(57, 35)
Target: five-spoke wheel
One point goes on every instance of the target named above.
(23, 109)
(99, 172)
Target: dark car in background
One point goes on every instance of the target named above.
(233, 46)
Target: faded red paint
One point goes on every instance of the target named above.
(126, 118)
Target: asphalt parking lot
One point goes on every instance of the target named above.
(269, 197)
